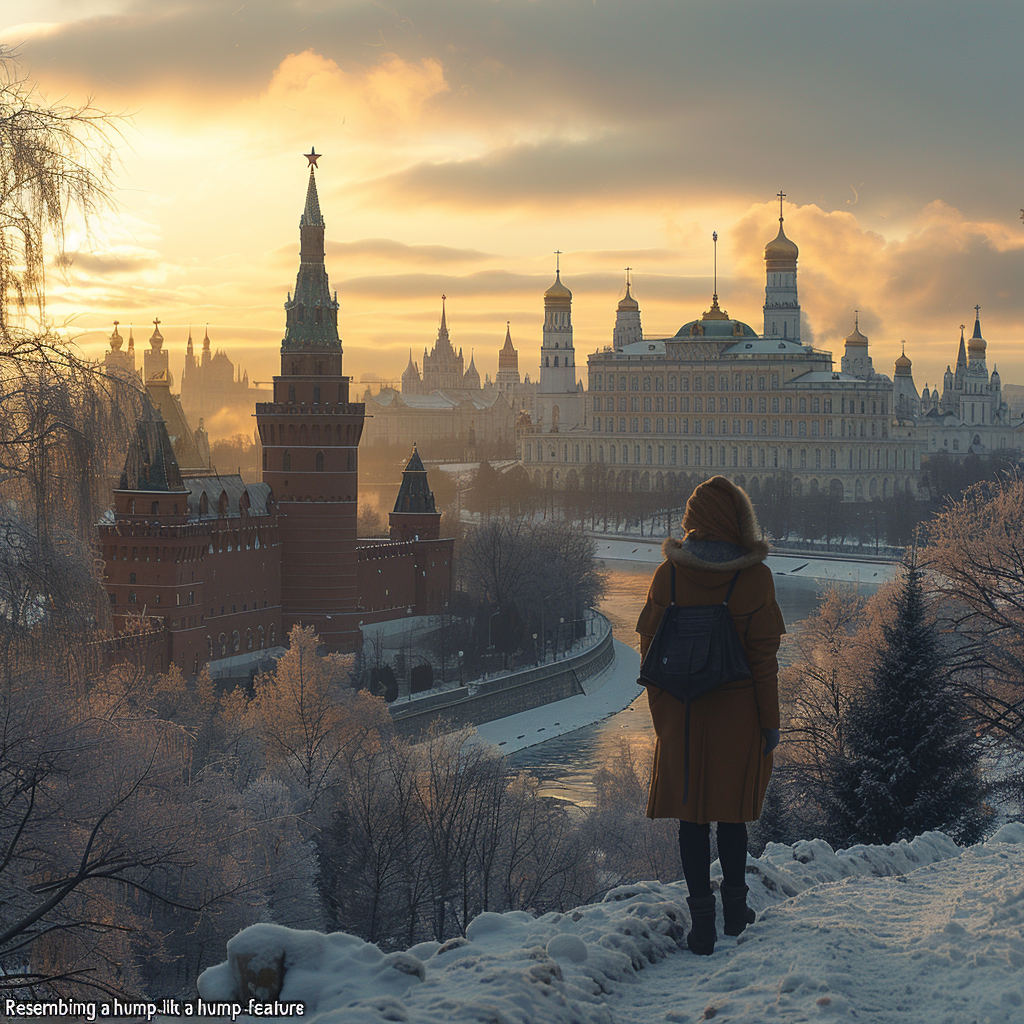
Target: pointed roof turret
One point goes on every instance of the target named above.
(961, 356)
(206, 339)
(150, 464)
(507, 349)
(189, 347)
(471, 378)
(311, 313)
(311, 214)
(977, 345)
(131, 339)
(415, 494)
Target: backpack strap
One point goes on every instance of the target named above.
(672, 570)
(728, 594)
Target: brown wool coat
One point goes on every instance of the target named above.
(728, 772)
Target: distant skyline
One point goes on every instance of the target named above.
(464, 142)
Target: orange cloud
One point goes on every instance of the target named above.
(374, 99)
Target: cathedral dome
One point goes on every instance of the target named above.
(557, 294)
(116, 341)
(856, 338)
(903, 365)
(627, 302)
(780, 250)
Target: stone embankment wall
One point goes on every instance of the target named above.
(484, 700)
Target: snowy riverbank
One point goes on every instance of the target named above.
(922, 932)
(816, 567)
(604, 695)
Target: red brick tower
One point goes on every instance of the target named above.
(310, 436)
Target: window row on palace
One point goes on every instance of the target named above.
(726, 456)
(698, 404)
(764, 428)
(648, 381)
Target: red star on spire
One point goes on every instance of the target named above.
(312, 156)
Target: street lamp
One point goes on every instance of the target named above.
(490, 646)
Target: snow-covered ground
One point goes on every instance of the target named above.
(606, 694)
(817, 567)
(914, 932)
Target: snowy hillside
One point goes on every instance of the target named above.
(924, 931)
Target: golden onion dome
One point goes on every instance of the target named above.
(780, 249)
(856, 338)
(903, 365)
(627, 302)
(558, 292)
(116, 341)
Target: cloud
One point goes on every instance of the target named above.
(103, 264)
(385, 250)
(382, 96)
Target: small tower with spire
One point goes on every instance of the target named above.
(471, 378)
(118, 362)
(411, 382)
(443, 368)
(627, 319)
(155, 358)
(415, 516)
(781, 304)
(508, 362)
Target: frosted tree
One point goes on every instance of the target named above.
(910, 760)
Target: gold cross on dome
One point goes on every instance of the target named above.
(781, 195)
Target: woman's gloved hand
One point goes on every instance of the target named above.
(771, 740)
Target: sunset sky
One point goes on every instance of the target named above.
(466, 140)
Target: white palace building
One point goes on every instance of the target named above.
(719, 398)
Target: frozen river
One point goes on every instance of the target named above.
(566, 763)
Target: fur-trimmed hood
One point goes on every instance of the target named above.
(713, 555)
(723, 534)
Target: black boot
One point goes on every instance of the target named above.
(701, 938)
(735, 910)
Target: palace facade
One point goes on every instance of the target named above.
(717, 397)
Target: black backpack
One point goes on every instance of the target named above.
(694, 650)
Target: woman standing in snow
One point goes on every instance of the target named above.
(733, 728)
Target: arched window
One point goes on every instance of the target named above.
(319, 462)
(286, 460)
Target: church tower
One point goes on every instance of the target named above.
(627, 320)
(155, 360)
(557, 357)
(310, 436)
(856, 360)
(508, 362)
(781, 306)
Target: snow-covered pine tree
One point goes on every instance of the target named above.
(911, 763)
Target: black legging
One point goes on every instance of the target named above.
(695, 851)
